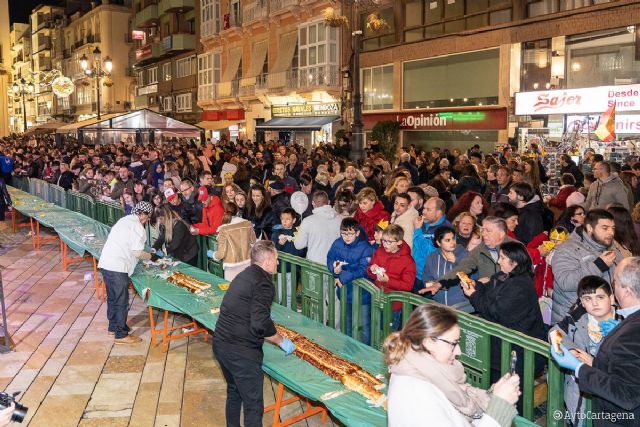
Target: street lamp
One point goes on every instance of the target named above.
(23, 89)
(101, 69)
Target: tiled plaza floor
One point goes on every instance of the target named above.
(71, 373)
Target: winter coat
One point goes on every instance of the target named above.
(399, 267)
(211, 217)
(479, 261)
(5, 198)
(406, 222)
(357, 256)
(574, 259)
(288, 247)
(435, 267)
(318, 232)
(183, 245)
(263, 225)
(466, 184)
(560, 200)
(235, 240)
(423, 242)
(603, 192)
(497, 194)
(574, 170)
(530, 220)
(510, 301)
(279, 202)
(120, 186)
(369, 219)
(543, 274)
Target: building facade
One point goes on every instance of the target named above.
(21, 69)
(5, 67)
(269, 70)
(105, 27)
(449, 70)
(166, 49)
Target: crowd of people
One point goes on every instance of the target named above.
(535, 260)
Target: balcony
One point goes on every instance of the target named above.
(147, 16)
(207, 92)
(228, 89)
(254, 12)
(179, 42)
(148, 51)
(43, 43)
(327, 75)
(281, 6)
(209, 28)
(169, 6)
(43, 65)
(231, 21)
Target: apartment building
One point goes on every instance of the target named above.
(20, 39)
(47, 24)
(460, 72)
(105, 27)
(166, 57)
(269, 69)
(5, 67)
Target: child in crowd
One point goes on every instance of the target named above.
(347, 260)
(378, 229)
(127, 201)
(282, 236)
(438, 263)
(393, 268)
(583, 329)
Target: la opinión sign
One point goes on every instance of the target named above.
(573, 101)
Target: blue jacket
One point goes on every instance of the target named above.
(357, 255)
(288, 247)
(423, 242)
(6, 164)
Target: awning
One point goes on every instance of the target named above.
(217, 124)
(233, 62)
(297, 123)
(72, 127)
(44, 128)
(286, 49)
(258, 55)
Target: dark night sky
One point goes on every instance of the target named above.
(19, 10)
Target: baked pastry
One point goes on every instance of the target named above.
(556, 338)
(348, 373)
(187, 282)
(464, 278)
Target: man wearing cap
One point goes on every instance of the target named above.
(212, 212)
(280, 199)
(118, 260)
(176, 205)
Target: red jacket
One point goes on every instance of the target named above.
(211, 217)
(560, 201)
(369, 219)
(400, 267)
(542, 270)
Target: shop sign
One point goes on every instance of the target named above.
(306, 110)
(443, 120)
(143, 52)
(137, 35)
(575, 101)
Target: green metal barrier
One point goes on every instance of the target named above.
(81, 203)
(39, 188)
(108, 213)
(20, 182)
(58, 195)
(213, 267)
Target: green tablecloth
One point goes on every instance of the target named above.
(296, 374)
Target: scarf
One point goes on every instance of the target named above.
(451, 380)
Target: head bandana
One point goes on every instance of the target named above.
(143, 207)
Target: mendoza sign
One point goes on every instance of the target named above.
(306, 110)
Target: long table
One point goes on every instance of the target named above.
(84, 234)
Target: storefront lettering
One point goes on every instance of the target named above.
(415, 122)
(546, 101)
(306, 110)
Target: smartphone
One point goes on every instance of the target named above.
(514, 360)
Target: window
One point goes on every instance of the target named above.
(166, 71)
(447, 82)
(167, 103)
(208, 74)
(377, 88)
(140, 75)
(435, 18)
(318, 55)
(63, 103)
(536, 65)
(152, 75)
(183, 102)
(210, 17)
(384, 37)
(185, 66)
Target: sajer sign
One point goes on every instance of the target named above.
(575, 101)
(306, 110)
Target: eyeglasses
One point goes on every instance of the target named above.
(453, 344)
(388, 242)
(184, 190)
(348, 233)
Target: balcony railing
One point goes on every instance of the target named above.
(231, 20)
(209, 28)
(228, 89)
(326, 75)
(207, 92)
(254, 12)
(278, 6)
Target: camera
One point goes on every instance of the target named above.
(19, 412)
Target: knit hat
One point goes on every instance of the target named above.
(143, 207)
(575, 198)
(170, 194)
(203, 193)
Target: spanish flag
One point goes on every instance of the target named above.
(606, 130)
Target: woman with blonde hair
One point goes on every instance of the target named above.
(426, 374)
(235, 239)
(399, 185)
(175, 236)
